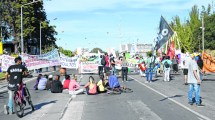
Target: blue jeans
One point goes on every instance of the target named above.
(113, 71)
(194, 87)
(200, 76)
(149, 72)
(10, 100)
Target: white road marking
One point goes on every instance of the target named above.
(142, 110)
(74, 111)
(176, 102)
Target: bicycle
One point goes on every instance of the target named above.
(119, 90)
(19, 102)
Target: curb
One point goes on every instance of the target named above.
(65, 108)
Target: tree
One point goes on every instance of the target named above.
(33, 15)
(68, 53)
(95, 50)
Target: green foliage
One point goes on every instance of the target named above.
(33, 15)
(95, 50)
(189, 32)
(68, 53)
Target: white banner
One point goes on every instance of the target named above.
(89, 67)
(52, 55)
(7, 61)
(69, 62)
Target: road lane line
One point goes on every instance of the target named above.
(176, 102)
(144, 112)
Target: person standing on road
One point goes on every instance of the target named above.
(175, 64)
(124, 69)
(149, 69)
(185, 66)
(107, 66)
(194, 82)
(16, 73)
(166, 64)
(112, 61)
(100, 66)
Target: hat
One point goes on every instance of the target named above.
(50, 76)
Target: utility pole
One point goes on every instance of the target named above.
(203, 34)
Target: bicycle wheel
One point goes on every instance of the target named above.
(18, 106)
(28, 98)
(126, 90)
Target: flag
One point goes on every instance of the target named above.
(165, 32)
(171, 50)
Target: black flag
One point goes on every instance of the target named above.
(164, 34)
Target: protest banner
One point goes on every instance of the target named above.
(209, 63)
(89, 67)
(69, 62)
(52, 55)
(7, 61)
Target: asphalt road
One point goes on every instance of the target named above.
(150, 101)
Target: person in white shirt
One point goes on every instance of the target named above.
(186, 60)
(42, 82)
(194, 83)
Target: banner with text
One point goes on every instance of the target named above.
(7, 61)
(69, 62)
(89, 67)
(52, 55)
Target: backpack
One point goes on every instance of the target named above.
(103, 61)
(166, 64)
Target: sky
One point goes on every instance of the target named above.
(109, 23)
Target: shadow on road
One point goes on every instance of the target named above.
(39, 106)
(208, 80)
(172, 97)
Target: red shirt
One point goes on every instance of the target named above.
(66, 84)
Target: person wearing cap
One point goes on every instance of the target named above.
(49, 82)
(194, 82)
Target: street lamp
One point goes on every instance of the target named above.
(22, 42)
(203, 34)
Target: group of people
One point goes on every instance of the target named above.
(192, 66)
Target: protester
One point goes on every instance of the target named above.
(56, 86)
(100, 66)
(175, 64)
(119, 66)
(91, 87)
(124, 68)
(42, 83)
(101, 86)
(185, 67)
(194, 82)
(149, 69)
(37, 81)
(112, 61)
(200, 65)
(14, 77)
(66, 82)
(49, 82)
(107, 66)
(167, 63)
(74, 87)
(142, 67)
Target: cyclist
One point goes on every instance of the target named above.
(15, 74)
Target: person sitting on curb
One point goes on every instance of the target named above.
(57, 86)
(42, 82)
(66, 82)
(49, 82)
(74, 87)
(91, 87)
